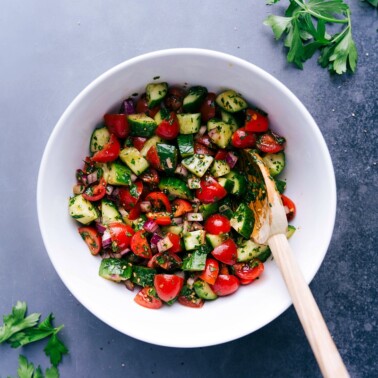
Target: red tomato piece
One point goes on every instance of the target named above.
(135, 212)
(176, 241)
(165, 260)
(242, 138)
(270, 143)
(256, 122)
(117, 124)
(289, 206)
(92, 238)
(162, 218)
(142, 107)
(150, 176)
(153, 158)
(210, 191)
(121, 235)
(217, 224)
(249, 271)
(226, 252)
(181, 207)
(205, 140)
(159, 201)
(110, 151)
(168, 128)
(95, 192)
(128, 197)
(138, 142)
(202, 149)
(225, 284)
(140, 246)
(221, 155)
(147, 298)
(207, 108)
(191, 302)
(211, 271)
(168, 286)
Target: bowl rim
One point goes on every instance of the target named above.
(199, 52)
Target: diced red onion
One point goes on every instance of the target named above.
(125, 251)
(129, 285)
(106, 239)
(100, 228)
(186, 227)
(145, 206)
(109, 189)
(194, 217)
(169, 163)
(117, 255)
(213, 133)
(177, 220)
(155, 239)
(92, 177)
(197, 226)
(133, 177)
(151, 226)
(190, 281)
(195, 200)
(81, 177)
(231, 159)
(181, 170)
(123, 212)
(78, 189)
(105, 255)
(128, 106)
(180, 274)
(202, 130)
(205, 140)
(164, 244)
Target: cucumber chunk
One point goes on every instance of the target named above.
(194, 239)
(143, 276)
(216, 240)
(230, 119)
(290, 231)
(141, 125)
(231, 101)
(220, 168)
(99, 138)
(243, 220)
(134, 160)
(109, 212)
(155, 93)
(197, 164)
(219, 132)
(175, 187)
(168, 157)
(193, 100)
(227, 184)
(275, 163)
(194, 262)
(240, 183)
(204, 291)
(185, 144)
(116, 270)
(248, 250)
(117, 174)
(82, 210)
(207, 209)
(189, 123)
(153, 141)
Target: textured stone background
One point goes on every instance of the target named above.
(50, 50)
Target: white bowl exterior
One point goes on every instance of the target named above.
(309, 174)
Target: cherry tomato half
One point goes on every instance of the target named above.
(92, 238)
(165, 260)
(225, 284)
(140, 246)
(211, 271)
(168, 286)
(117, 124)
(147, 298)
(159, 201)
(142, 107)
(150, 176)
(162, 218)
(207, 108)
(176, 241)
(121, 235)
(135, 212)
(217, 224)
(128, 197)
(226, 252)
(181, 207)
(201, 149)
(95, 192)
(270, 143)
(210, 191)
(110, 151)
(242, 138)
(221, 155)
(138, 142)
(289, 207)
(153, 158)
(256, 122)
(169, 127)
(249, 270)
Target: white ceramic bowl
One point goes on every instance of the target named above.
(310, 183)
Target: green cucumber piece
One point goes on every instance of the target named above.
(290, 231)
(194, 262)
(185, 144)
(219, 132)
(227, 184)
(216, 240)
(275, 163)
(230, 119)
(134, 160)
(240, 183)
(193, 100)
(207, 209)
(109, 212)
(174, 229)
(204, 291)
(175, 187)
(116, 173)
(153, 141)
(143, 276)
(168, 157)
(248, 250)
(82, 210)
(243, 220)
(162, 114)
(141, 125)
(197, 164)
(189, 123)
(155, 93)
(194, 239)
(116, 270)
(99, 138)
(231, 101)
(220, 168)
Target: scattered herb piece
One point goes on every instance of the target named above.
(26, 369)
(304, 25)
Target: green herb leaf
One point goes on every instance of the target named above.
(25, 368)
(278, 24)
(52, 372)
(374, 3)
(55, 349)
(16, 321)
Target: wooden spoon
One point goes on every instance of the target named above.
(270, 228)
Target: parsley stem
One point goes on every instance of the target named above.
(319, 16)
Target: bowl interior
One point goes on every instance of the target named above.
(310, 183)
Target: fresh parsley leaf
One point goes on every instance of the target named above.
(16, 321)
(374, 3)
(38, 373)
(270, 2)
(278, 24)
(25, 368)
(55, 349)
(52, 372)
(326, 8)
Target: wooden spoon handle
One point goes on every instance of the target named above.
(323, 347)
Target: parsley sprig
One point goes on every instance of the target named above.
(19, 330)
(305, 26)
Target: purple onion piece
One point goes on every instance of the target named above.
(202, 130)
(151, 226)
(109, 189)
(194, 217)
(164, 244)
(106, 239)
(155, 239)
(178, 220)
(181, 170)
(127, 107)
(231, 159)
(145, 206)
(100, 227)
(197, 226)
